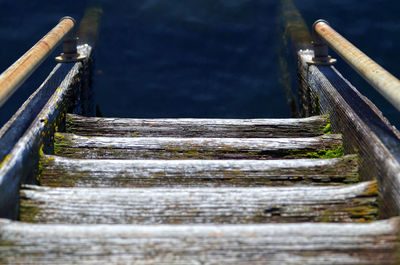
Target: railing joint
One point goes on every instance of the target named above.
(321, 56)
(70, 52)
(19, 71)
(383, 81)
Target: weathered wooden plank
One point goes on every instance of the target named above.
(60, 171)
(75, 146)
(356, 202)
(305, 243)
(233, 128)
(365, 130)
(24, 135)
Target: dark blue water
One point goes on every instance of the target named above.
(189, 59)
(159, 58)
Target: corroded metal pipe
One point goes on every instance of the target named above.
(384, 82)
(16, 74)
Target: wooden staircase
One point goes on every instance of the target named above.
(199, 191)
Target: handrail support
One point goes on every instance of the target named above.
(321, 56)
(383, 81)
(70, 52)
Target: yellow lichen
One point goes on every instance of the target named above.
(6, 158)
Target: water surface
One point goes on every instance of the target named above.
(158, 58)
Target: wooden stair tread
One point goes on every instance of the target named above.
(356, 202)
(302, 243)
(71, 145)
(252, 128)
(59, 171)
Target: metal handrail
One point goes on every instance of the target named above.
(384, 82)
(12, 78)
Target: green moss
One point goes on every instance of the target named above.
(6, 243)
(220, 219)
(236, 173)
(352, 179)
(337, 152)
(327, 129)
(134, 134)
(40, 170)
(41, 153)
(69, 121)
(359, 213)
(59, 136)
(328, 215)
(323, 153)
(28, 212)
(62, 179)
(363, 213)
(316, 105)
(40, 164)
(60, 143)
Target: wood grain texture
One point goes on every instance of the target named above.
(232, 128)
(68, 172)
(70, 145)
(365, 130)
(25, 134)
(305, 243)
(356, 202)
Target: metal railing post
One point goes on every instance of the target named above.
(69, 44)
(321, 56)
(384, 82)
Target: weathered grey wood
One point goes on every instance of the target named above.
(294, 35)
(21, 162)
(60, 171)
(21, 120)
(356, 202)
(305, 243)
(75, 146)
(234, 128)
(363, 126)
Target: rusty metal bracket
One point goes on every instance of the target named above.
(321, 56)
(70, 53)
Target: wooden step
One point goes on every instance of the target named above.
(70, 145)
(356, 202)
(304, 243)
(59, 171)
(234, 128)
